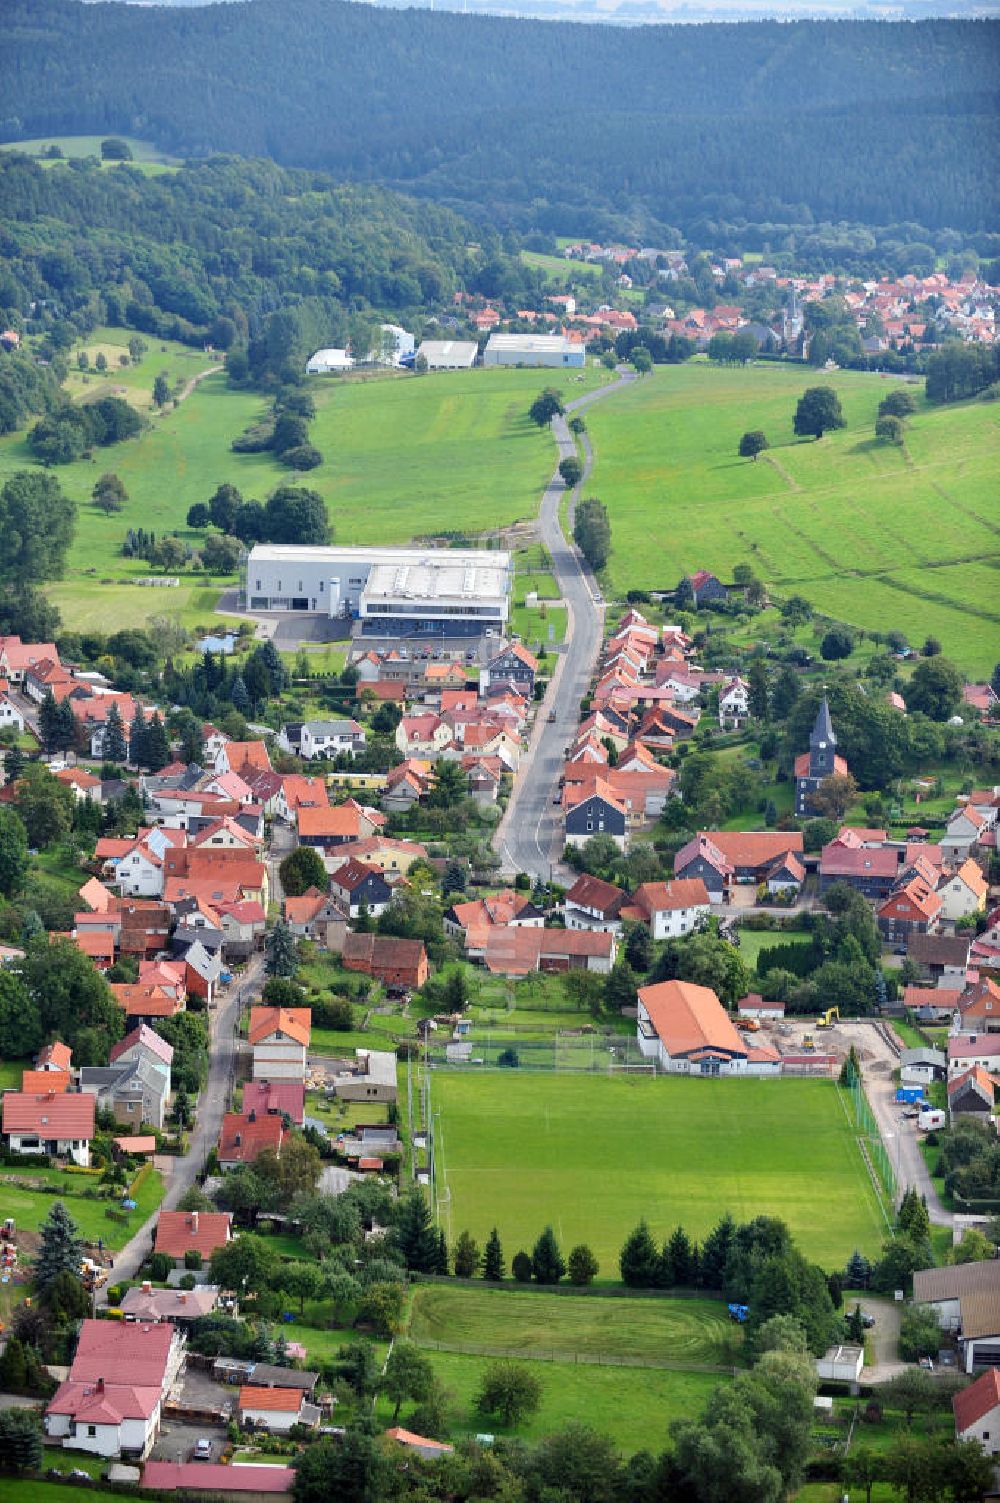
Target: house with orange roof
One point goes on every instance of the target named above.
(55, 1056)
(671, 909)
(912, 909)
(112, 1401)
(98, 945)
(971, 1093)
(422, 735)
(243, 757)
(145, 1004)
(513, 951)
(687, 1031)
(275, 1409)
(181, 1232)
(330, 827)
(16, 657)
(595, 811)
(279, 1038)
(469, 922)
(297, 791)
(515, 667)
(966, 827)
(963, 892)
(421, 1445)
(53, 1122)
(302, 912)
(245, 1136)
(384, 851)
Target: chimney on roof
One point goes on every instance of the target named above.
(99, 1386)
(238, 1140)
(194, 1221)
(147, 1287)
(252, 1115)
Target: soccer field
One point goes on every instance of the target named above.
(594, 1155)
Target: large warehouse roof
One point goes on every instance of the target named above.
(439, 577)
(530, 344)
(279, 553)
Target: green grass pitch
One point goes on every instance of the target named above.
(878, 535)
(592, 1155)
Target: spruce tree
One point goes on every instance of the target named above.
(48, 721)
(115, 748)
(639, 1259)
(715, 1253)
(61, 1250)
(281, 952)
(156, 745)
(239, 696)
(13, 1367)
(493, 1258)
(415, 1236)
(441, 1261)
(676, 1262)
(13, 764)
(137, 739)
(20, 1440)
(547, 1262)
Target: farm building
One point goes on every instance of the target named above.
(448, 354)
(406, 592)
(921, 1066)
(754, 1006)
(400, 964)
(966, 1298)
(515, 951)
(533, 349)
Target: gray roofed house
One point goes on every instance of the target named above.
(135, 1090)
(945, 956)
(921, 1066)
(177, 1305)
(266, 1375)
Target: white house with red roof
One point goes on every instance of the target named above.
(111, 1403)
(977, 1411)
(57, 1123)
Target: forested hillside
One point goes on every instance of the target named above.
(561, 127)
(239, 254)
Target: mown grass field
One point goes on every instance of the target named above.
(633, 1405)
(403, 457)
(592, 1155)
(879, 536)
(532, 1324)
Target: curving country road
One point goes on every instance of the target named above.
(529, 837)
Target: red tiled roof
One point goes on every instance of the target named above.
(660, 897)
(285, 1097)
(976, 1075)
(284, 1400)
(295, 1021)
(37, 1082)
(178, 1232)
(973, 1403)
(591, 892)
(50, 1114)
(56, 1054)
(241, 1141)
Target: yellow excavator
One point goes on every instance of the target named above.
(827, 1018)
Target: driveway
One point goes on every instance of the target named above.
(530, 836)
(882, 1339)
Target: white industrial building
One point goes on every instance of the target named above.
(405, 592)
(533, 349)
(449, 354)
(398, 346)
(325, 362)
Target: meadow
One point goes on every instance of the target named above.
(634, 1405)
(403, 458)
(876, 535)
(593, 1155)
(146, 157)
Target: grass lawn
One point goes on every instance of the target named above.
(752, 941)
(561, 273)
(671, 1331)
(10, 1073)
(29, 1208)
(65, 1460)
(34, 1491)
(592, 1155)
(873, 534)
(634, 1405)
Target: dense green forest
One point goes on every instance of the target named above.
(246, 255)
(565, 128)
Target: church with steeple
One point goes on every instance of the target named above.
(819, 762)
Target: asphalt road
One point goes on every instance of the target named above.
(212, 1104)
(529, 837)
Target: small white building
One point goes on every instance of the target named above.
(329, 362)
(734, 704)
(841, 1364)
(11, 718)
(754, 1006)
(397, 347)
(448, 354)
(275, 1409)
(922, 1066)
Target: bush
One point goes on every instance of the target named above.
(160, 1266)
